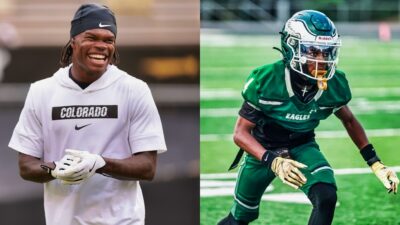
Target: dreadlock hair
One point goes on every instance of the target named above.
(66, 55)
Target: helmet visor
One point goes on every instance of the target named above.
(318, 59)
(322, 53)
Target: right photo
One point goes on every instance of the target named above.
(299, 119)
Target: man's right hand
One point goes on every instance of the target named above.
(386, 176)
(288, 171)
(62, 166)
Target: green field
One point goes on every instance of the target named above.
(374, 76)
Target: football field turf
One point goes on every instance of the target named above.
(373, 70)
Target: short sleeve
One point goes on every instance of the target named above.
(145, 131)
(338, 93)
(27, 137)
(250, 112)
(250, 88)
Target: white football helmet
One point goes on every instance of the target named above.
(310, 45)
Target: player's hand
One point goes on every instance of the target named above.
(386, 176)
(61, 166)
(288, 171)
(58, 171)
(85, 168)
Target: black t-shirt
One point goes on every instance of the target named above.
(271, 135)
(81, 84)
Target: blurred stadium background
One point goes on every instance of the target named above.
(158, 41)
(236, 37)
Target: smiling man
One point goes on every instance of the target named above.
(90, 131)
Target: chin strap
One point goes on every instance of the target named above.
(285, 60)
(278, 49)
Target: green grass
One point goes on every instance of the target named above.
(361, 202)
(362, 198)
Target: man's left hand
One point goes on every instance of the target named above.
(87, 166)
(386, 176)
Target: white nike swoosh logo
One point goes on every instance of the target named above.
(104, 25)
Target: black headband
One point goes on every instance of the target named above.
(93, 16)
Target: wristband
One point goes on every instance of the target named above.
(267, 158)
(48, 169)
(369, 154)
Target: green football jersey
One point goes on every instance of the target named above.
(269, 89)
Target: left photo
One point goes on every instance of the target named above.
(99, 103)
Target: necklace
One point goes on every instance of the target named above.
(304, 90)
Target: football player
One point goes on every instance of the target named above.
(283, 104)
(90, 132)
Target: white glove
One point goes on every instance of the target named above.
(86, 166)
(386, 176)
(64, 164)
(288, 171)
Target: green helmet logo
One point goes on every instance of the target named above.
(310, 45)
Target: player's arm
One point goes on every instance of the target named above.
(353, 127)
(140, 166)
(357, 134)
(77, 166)
(30, 169)
(145, 130)
(243, 138)
(286, 169)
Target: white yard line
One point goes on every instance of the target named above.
(377, 91)
(390, 132)
(223, 190)
(216, 94)
(296, 197)
(219, 112)
(344, 171)
(222, 184)
(364, 106)
(216, 137)
(226, 40)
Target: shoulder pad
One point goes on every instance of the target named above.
(266, 82)
(338, 93)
